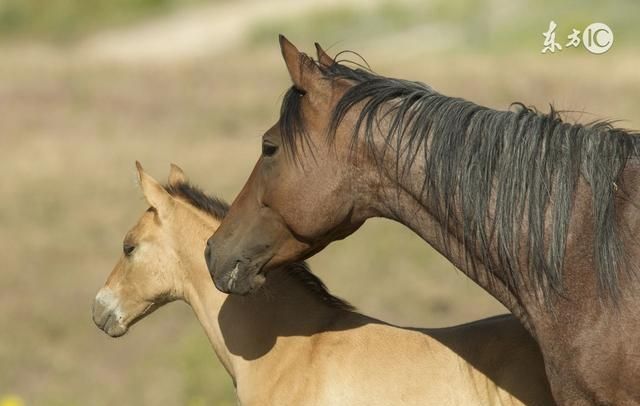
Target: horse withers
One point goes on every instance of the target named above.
(293, 343)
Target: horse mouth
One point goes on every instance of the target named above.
(115, 327)
(243, 279)
(117, 331)
(112, 326)
(105, 322)
(233, 276)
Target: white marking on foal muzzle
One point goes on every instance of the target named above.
(110, 302)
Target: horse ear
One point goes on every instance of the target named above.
(324, 59)
(176, 175)
(154, 193)
(303, 70)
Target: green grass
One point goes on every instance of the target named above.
(63, 20)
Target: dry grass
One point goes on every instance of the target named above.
(69, 134)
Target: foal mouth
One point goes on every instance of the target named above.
(102, 324)
(112, 326)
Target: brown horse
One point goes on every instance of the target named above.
(538, 212)
(293, 343)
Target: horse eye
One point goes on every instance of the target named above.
(128, 249)
(268, 149)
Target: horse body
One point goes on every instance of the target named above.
(292, 343)
(587, 342)
(538, 212)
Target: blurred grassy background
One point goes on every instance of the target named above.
(75, 115)
(62, 20)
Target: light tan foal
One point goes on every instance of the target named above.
(291, 343)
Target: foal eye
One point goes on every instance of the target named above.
(128, 249)
(268, 149)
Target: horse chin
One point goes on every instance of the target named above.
(258, 281)
(230, 283)
(116, 330)
(247, 288)
(110, 324)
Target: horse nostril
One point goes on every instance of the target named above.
(207, 254)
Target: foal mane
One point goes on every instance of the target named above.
(298, 271)
(528, 161)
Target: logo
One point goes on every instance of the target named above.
(597, 38)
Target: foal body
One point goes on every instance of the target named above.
(292, 343)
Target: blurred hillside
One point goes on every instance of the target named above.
(485, 24)
(65, 20)
(86, 88)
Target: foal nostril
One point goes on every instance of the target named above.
(99, 312)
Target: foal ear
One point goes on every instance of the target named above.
(154, 193)
(303, 70)
(324, 59)
(176, 175)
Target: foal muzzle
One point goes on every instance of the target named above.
(107, 315)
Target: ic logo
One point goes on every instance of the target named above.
(597, 38)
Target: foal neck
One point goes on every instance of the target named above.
(259, 332)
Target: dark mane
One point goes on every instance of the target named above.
(200, 200)
(300, 272)
(218, 208)
(524, 162)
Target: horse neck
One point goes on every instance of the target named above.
(250, 334)
(403, 199)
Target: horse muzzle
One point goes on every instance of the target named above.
(240, 280)
(107, 314)
(238, 277)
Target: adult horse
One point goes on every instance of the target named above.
(296, 344)
(538, 212)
